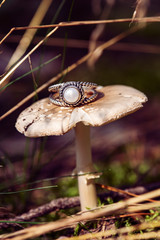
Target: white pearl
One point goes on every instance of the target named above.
(71, 95)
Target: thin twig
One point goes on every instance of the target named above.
(54, 205)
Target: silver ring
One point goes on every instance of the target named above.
(72, 94)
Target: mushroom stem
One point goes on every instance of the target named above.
(87, 190)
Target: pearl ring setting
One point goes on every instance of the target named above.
(72, 94)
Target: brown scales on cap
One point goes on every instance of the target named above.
(44, 118)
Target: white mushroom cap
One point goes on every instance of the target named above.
(44, 118)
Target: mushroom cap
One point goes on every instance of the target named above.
(43, 118)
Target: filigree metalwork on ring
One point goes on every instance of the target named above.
(72, 94)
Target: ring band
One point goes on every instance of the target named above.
(72, 94)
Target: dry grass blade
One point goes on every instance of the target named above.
(29, 34)
(97, 32)
(89, 215)
(9, 73)
(141, 9)
(79, 23)
(142, 207)
(26, 40)
(144, 197)
(122, 233)
(101, 48)
(3, 1)
(146, 235)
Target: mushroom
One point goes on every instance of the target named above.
(43, 118)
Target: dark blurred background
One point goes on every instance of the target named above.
(128, 150)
